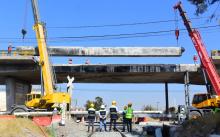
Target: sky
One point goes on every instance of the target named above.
(60, 15)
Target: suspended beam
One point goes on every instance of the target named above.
(106, 51)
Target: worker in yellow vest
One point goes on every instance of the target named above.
(129, 115)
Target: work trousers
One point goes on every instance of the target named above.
(129, 125)
(124, 124)
(102, 123)
(91, 123)
(112, 121)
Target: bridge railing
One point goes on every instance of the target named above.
(15, 53)
(6, 53)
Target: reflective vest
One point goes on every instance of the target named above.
(91, 113)
(129, 113)
(124, 114)
(102, 114)
(113, 113)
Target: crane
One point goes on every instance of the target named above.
(50, 97)
(206, 100)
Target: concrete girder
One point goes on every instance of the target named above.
(106, 51)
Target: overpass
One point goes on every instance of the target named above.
(19, 72)
(26, 69)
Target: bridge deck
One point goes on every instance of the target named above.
(26, 69)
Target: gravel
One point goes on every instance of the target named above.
(73, 129)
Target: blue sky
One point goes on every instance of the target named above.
(57, 13)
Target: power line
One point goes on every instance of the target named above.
(129, 34)
(122, 24)
(110, 36)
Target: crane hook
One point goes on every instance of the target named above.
(23, 32)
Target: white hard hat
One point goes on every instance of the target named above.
(102, 106)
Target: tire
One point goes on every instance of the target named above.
(194, 115)
(18, 110)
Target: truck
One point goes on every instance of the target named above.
(49, 97)
(203, 103)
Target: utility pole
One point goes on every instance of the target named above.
(157, 104)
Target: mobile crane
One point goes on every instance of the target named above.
(50, 98)
(202, 103)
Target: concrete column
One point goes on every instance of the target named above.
(166, 98)
(16, 92)
(10, 92)
(186, 87)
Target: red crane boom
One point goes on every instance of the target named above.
(207, 63)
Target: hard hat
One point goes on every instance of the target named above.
(102, 106)
(125, 107)
(91, 105)
(113, 102)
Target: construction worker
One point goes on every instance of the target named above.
(91, 117)
(129, 115)
(10, 49)
(124, 118)
(113, 115)
(102, 117)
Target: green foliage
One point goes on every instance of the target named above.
(202, 5)
(172, 109)
(87, 105)
(98, 102)
(148, 108)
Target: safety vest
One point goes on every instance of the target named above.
(113, 113)
(91, 113)
(129, 113)
(124, 114)
(102, 114)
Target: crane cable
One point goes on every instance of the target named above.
(23, 30)
(177, 32)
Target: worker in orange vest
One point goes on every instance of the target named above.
(10, 49)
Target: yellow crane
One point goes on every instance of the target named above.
(50, 97)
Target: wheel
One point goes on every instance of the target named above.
(18, 110)
(194, 115)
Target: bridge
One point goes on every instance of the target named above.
(18, 73)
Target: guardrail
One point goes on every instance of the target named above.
(15, 53)
(6, 53)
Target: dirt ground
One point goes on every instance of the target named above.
(20, 127)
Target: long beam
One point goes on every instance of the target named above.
(106, 51)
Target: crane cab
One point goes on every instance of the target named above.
(205, 100)
(32, 100)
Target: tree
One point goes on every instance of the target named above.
(87, 105)
(97, 103)
(172, 109)
(202, 5)
(148, 108)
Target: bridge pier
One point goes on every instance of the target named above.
(16, 92)
(167, 98)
